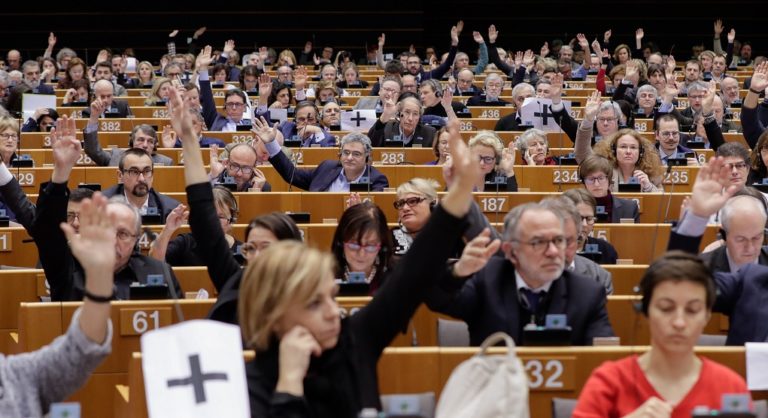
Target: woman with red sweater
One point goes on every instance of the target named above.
(669, 380)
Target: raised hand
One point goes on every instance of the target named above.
(178, 217)
(94, 243)
(262, 129)
(382, 40)
(300, 77)
(315, 59)
(454, 36)
(507, 163)
(583, 42)
(731, 36)
(544, 51)
(759, 77)
(204, 59)
(712, 188)
(51, 40)
(447, 98)
(265, 86)
(308, 47)
(460, 26)
(66, 148)
(518, 58)
(596, 49)
(592, 106)
(478, 37)
(216, 166)
(607, 36)
(103, 55)
(173, 33)
(671, 64)
(718, 28)
(412, 49)
(556, 88)
(229, 46)
(199, 32)
(259, 179)
(528, 58)
(492, 34)
(181, 118)
(709, 97)
(263, 54)
(169, 137)
(639, 34)
(476, 254)
(632, 73)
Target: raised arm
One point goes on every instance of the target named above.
(493, 54)
(583, 142)
(202, 62)
(482, 60)
(173, 222)
(91, 136)
(750, 121)
(444, 67)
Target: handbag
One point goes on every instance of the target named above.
(486, 386)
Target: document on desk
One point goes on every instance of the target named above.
(757, 366)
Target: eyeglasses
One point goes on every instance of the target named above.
(588, 219)
(124, 235)
(71, 216)
(234, 105)
(607, 120)
(738, 166)
(355, 246)
(245, 169)
(541, 245)
(306, 119)
(354, 154)
(390, 90)
(669, 134)
(9, 136)
(411, 202)
(486, 160)
(135, 172)
(593, 180)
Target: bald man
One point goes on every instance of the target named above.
(113, 108)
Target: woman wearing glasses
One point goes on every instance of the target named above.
(496, 163)
(596, 172)
(587, 205)
(362, 244)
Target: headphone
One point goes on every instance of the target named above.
(361, 138)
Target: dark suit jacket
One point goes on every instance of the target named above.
(213, 120)
(93, 149)
(743, 296)
(488, 302)
(118, 106)
(163, 203)
(717, 259)
(423, 135)
(481, 100)
(13, 199)
(64, 274)
(322, 177)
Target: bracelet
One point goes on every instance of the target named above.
(755, 91)
(99, 299)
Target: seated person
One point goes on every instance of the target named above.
(493, 86)
(669, 379)
(135, 175)
(33, 381)
(573, 227)
(440, 147)
(238, 167)
(9, 140)
(465, 84)
(668, 138)
(758, 169)
(170, 139)
(235, 101)
(142, 136)
(524, 286)
(102, 91)
(534, 148)
(596, 172)
(353, 165)
(158, 96)
(401, 122)
(331, 118)
(431, 93)
(362, 244)
(512, 122)
(392, 85)
(306, 127)
(497, 164)
(326, 91)
(41, 121)
(351, 78)
(586, 205)
(634, 158)
(65, 275)
(601, 120)
(79, 94)
(181, 250)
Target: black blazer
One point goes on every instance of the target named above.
(741, 296)
(423, 134)
(488, 302)
(624, 208)
(321, 178)
(717, 259)
(163, 203)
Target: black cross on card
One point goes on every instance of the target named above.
(197, 378)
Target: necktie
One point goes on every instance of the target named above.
(532, 298)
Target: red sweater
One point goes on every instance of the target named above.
(617, 388)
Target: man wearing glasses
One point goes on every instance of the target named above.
(64, 274)
(239, 168)
(353, 165)
(668, 141)
(135, 175)
(523, 287)
(235, 102)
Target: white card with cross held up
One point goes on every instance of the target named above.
(537, 112)
(358, 120)
(195, 369)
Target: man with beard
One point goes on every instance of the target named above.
(135, 174)
(64, 274)
(530, 282)
(31, 74)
